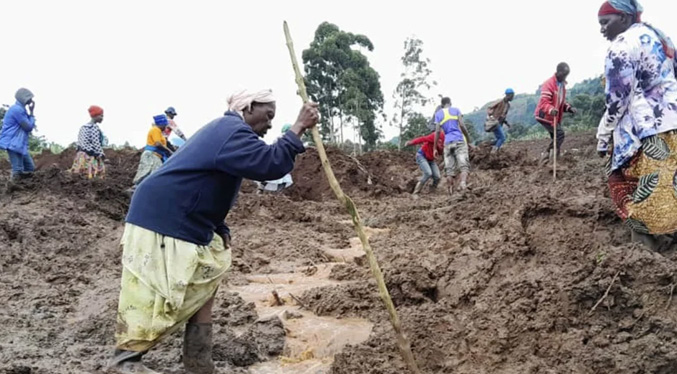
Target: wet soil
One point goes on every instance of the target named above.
(502, 279)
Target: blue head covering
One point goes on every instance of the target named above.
(161, 120)
(171, 110)
(629, 7)
(509, 91)
(633, 7)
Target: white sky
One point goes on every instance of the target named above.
(135, 58)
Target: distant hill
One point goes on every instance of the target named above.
(586, 96)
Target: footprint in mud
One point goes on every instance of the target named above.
(573, 225)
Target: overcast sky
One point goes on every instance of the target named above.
(135, 58)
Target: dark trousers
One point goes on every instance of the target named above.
(560, 135)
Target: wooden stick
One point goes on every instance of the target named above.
(277, 300)
(301, 303)
(605, 294)
(672, 291)
(554, 152)
(402, 342)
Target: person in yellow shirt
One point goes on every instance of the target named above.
(155, 153)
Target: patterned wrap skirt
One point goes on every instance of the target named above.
(90, 165)
(644, 190)
(148, 164)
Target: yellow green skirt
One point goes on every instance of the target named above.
(165, 281)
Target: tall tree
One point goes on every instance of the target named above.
(411, 91)
(417, 125)
(340, 78)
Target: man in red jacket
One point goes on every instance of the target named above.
(425, 158)
(551, 106)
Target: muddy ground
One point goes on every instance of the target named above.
(501, 280)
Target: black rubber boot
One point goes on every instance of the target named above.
(197, 349)
(128, 362)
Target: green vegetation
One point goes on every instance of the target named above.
(410, 92)
(340, 78)
(587, 97)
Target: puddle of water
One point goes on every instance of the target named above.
(354, 252)
(311, 341)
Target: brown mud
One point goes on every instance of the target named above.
(501, 279)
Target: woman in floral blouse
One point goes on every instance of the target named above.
(638, 128)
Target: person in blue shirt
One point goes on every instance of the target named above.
(18, 124)
(176, 245)
(456, 138)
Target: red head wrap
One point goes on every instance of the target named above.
(607, 9)
(95, 111)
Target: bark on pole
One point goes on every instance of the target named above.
(402, 341)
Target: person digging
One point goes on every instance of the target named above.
(425, 158)
(174, 256)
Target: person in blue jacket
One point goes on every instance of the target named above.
(176, 245)
(18, 123)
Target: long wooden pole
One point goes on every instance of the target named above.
(554, 155)
(554, 138)
(402, 342)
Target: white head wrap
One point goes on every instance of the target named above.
(242, 100)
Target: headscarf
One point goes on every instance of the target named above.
(631, 7)
(161, 120)
(95, 111)
(242, 100)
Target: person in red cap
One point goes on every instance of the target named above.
(90, 157)
(638, 130)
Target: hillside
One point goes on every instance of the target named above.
(520, 275)
(586, 96)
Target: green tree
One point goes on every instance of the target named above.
(587, 97)
(409, 91)
(3, 110)
(340, 78)
(517, 130)
(417, 125)
(475, 135)
(37, 144)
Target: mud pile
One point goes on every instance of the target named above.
(104, 195)
(374, 174)
(519, 275)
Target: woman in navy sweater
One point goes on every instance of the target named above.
(176, 245)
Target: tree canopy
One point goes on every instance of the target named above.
(411, 91)
(340, 78)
